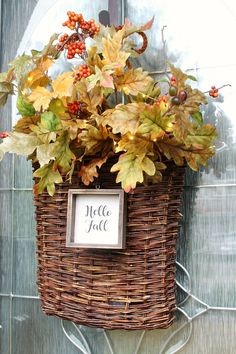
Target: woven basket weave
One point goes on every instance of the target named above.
(127, 289)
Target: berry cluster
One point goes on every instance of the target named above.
(76, 21)
(3, 135)
(75, 44)
(82, 71)
(74, 107)
(214, 92)
(162, 99)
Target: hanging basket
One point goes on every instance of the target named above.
(132, 288)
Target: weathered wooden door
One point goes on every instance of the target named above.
(198, 37)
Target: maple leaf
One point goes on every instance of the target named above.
(24, 123)
(123, 119)
(130, 168)
(63, 86)
(104, 32)
(93, 58)
(19, 143)
(134, 81)
(154, 124)
(94, 139)
(22, 65)
(48, 127)
(41, 98)
(58, 107)
(112, 53)
(48, 176)
(62, 152)
(92, 98)
(89, 172)
(103, 76)
(136, 144)
(25, 108)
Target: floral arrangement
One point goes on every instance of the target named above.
(102, 107)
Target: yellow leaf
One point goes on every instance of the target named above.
(63, 86)
(41, 98)
(134, 81)
(112, 50)
(92, 98)
(38, 77)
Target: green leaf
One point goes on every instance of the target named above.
(50, 122)
(153, 124)
(25, 108)
(48, 177)
(191, 77)
(130, 169)
(197, 116)
(62, 152)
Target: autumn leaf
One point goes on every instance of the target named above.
(130, 28)
(6, 89)
(154, 125)
(41, 98)
(19, 143)
(93, 58)
(48, 177)
(130, 168)
(201, 137)
(45, 153)
(62, 152)
(194, 156)
(92, 98)
(94, 139)
(123, 119)
(24, 123)
(89, 172)
(63, 86)
(104, 32)
(133, 82)
(58, 107)
(112, 50)
(103, 76)
(22, 65)
(48, 127)
(134, 144)
(24, 107)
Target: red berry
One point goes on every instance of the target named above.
(3, 135)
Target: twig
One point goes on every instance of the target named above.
(219, 88)
(164, 48)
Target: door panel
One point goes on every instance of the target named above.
(206, 250)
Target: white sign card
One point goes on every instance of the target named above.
(95, 218)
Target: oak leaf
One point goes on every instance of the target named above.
(130, 168)
(89, 172)
(48, 176)
(19, 143)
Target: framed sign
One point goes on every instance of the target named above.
(96, 218)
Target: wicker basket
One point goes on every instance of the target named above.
(127, 289)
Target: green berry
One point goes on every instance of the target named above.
(175, 101)
(173, 91)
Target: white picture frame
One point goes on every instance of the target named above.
(96, 218)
